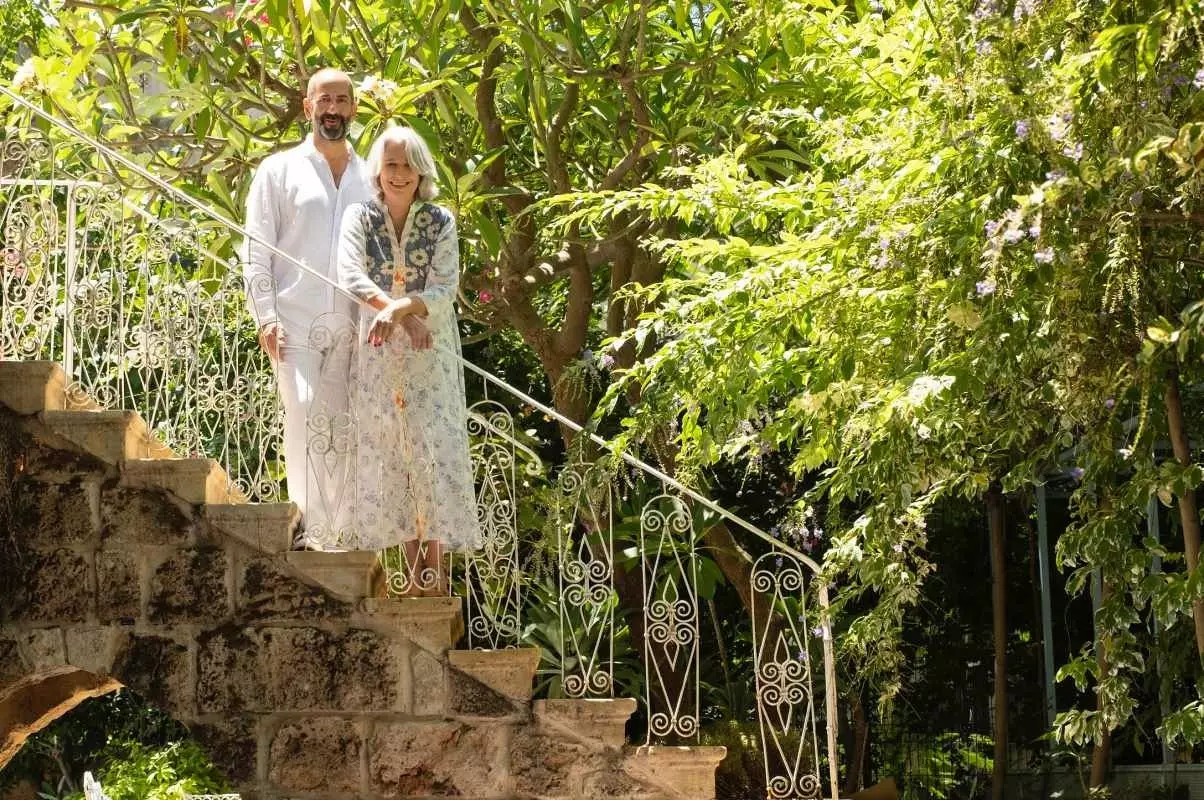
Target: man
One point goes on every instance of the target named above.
(296, 204)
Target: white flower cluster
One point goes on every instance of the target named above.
(381, 91)
(25, 79)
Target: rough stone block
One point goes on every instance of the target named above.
(230, 675)
(94, 649)
(434, 623)
(689, 771)
(12, 666)
(368, 672)
(52, 514)
(111, 434)
(429, 683)
(193, 480)
(470, 697)
(602, 720)
(316, 755)
(610, 781)
(28, 387)
(45, 648)
(143, 517)
(510, 673)
(267, 527)
(156, 668)
(232, 745)
(347, 575)
(298, 669)
(266, 590)
(313, 669)
(190, 586)
(119, 593)
(53, 586)
(548, 766)
(439, 759)
(302, 667)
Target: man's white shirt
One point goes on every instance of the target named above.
(294, 205)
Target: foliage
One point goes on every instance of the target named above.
(932, 248)
(972, 284)
(111, 734)
(136, 772)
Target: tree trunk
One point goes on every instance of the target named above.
(1101, 753)
(859, 748)
(1189, 513)
(995, 524)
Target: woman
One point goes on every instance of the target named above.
(413, 475)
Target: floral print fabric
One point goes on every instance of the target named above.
(412, 471)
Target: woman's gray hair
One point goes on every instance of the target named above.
(417, 153)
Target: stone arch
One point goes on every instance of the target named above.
(29, 704)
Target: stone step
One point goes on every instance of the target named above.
(111, 436)
(686, 772)
(602, 720)
(31, 387)
(510, 672)
(267, 527)
(435, 623)
(352, 575)
(193, 480)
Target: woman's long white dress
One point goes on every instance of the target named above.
(412, 473)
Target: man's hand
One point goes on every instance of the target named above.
(271, 339)
(420, 334)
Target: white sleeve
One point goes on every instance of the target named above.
(351, 255)
(444, 275)
(262, 223)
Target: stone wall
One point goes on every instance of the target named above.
(295, 692)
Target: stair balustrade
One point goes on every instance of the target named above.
(135, 288)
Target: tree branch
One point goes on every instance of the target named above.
(557, 169)
(643, 122)
(574, 326)
(357, 19)
(551, 267)
(298, 44)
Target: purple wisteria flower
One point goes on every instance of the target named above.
(984, 47)
(992, 227)
(1044, 256)
(1023, 9)
(1136, 198)
(1077, 473)
(1198, 81)
(985, 10)
(985, 287)
(1055, 175)
(898, 548)
(1013, 235)
(1022, 129)
(1110, 403)
(608, 361)
(1049, 55)
(1074, 151)
(1034, 230)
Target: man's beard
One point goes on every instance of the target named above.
(333, 133)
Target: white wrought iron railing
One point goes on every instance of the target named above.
(103, 271)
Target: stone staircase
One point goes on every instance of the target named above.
(135, 565)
